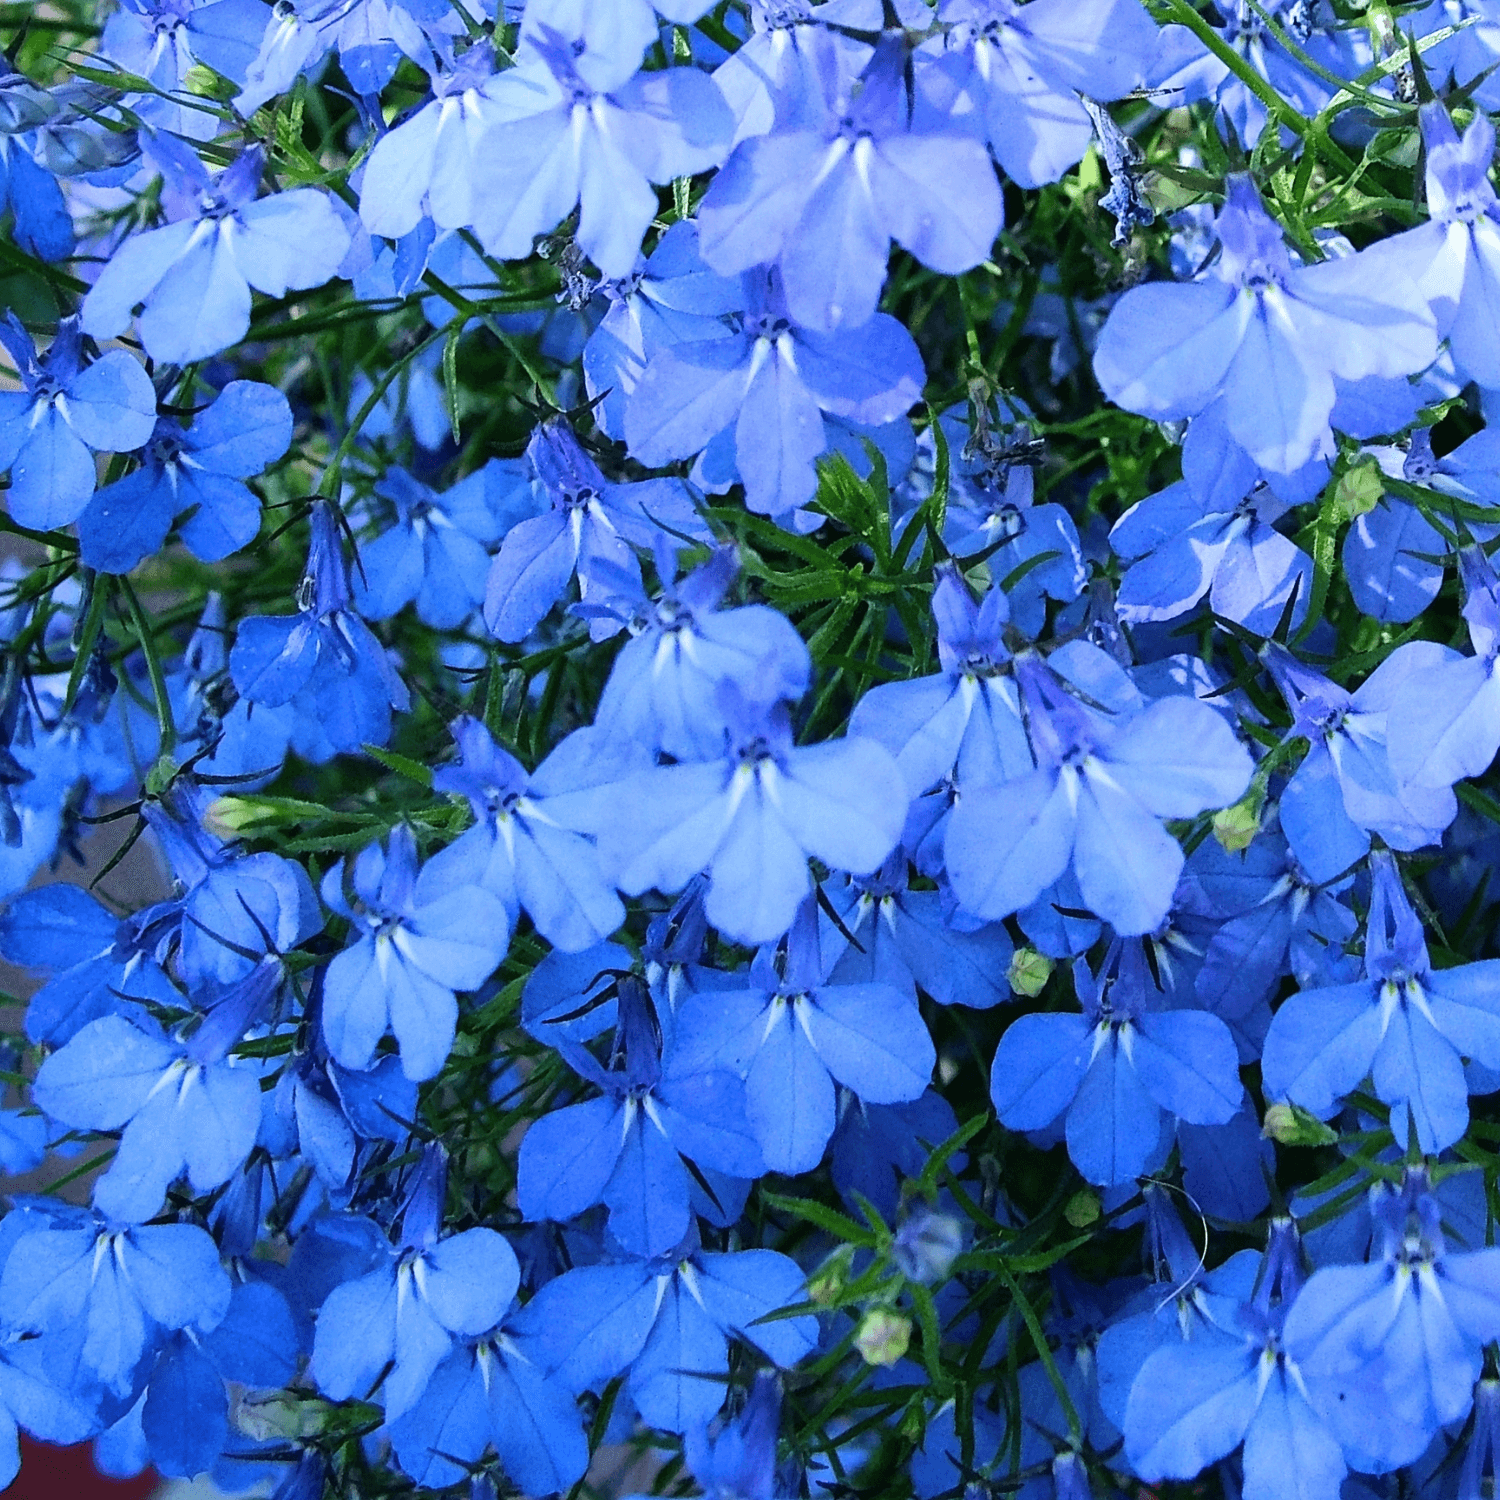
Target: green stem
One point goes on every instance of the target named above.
(1182, 12)
(158, 678)
(327, 486)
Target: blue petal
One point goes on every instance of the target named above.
(186, 1417)
(1289, 1453)
(1190, 1406)
(872, 1039)
(1006, 845)
(356, 1335)
(566, 1159)
(1039, 1066)
(448, 1428)
(1187, 1062)
(789, 1098)
(1113, 1127)
(103, 1076)
(536, 1427)
(1321, 1044)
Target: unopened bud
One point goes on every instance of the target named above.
(1029, 972)
(160, 776)
(228, 817)
(281, 1417)
(883, 1337)
(926, 1245)
(1291, 1125)
(1082, 1209)
(1235, 827)
(1358, 491)
(826, 1285)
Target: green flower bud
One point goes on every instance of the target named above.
(1029, 972)
(883, 1337)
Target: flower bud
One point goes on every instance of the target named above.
(1029, 972)
(1291, 1125)
(884, 1337)
(926, 1245)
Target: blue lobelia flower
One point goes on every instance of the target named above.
(234, 906)
(791, 1035)
(825, 201)
(768, 384)
(1345, 789)
(487, 1393)
(286, 43)
(1265, 919)
(1389, 1351)
(406, 1313)
(323, 659)
(424, 167)
(101, 965)
(1172, 1305)
(1483, 1445)
(68, 411)
(1107, 774)
(662, 689)
(1467, 56)
(876, 1147)
(888, 934)
(605, 37)
(589, 530)
(1032, 550)
(415, 948)
(777, 75)
(36, 1397)
(585, 129)
(1185, 71)
(199, 474)
(1455, 257)
(670, 298)
(739, 1460)
(668, 1323)
(236, 739)
(184, 1413)
(626, 1149)
(517, 850)
(1213, 534)
(1270, 337)
(1121, 1074)
(192, 278)
(963, 724)
(163, 40)
(183, 1105)
(1393, 556)
(121, 1288)
(436, 555)
(1013, 75)
(1444, 715)
(752, 817)
(1406, 1025)
(1195, 1400)
(338, 1118)
(371, 36)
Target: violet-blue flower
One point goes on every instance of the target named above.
(197, 473)
(69, 410)
(192, 278)
(824, 202)
(1269, 336)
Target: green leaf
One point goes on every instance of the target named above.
(830, 1220)
(402, 765)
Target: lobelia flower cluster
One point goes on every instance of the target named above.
(807, 698)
